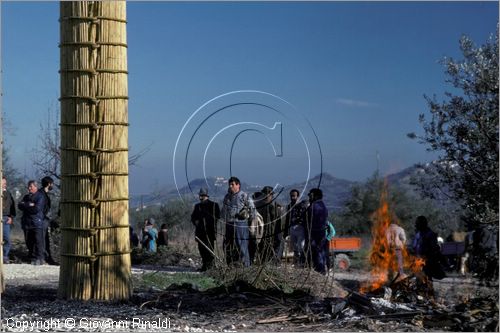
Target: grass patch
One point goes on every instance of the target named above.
(264, 277)
(162, 280)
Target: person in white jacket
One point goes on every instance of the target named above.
(396, 240)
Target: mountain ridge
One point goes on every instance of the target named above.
(336, 191)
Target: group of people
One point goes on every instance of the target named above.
(255, 229)
(149, 238)
(35, 221)
(256, 226)
(425, 245)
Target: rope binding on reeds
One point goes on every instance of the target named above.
(93, 19)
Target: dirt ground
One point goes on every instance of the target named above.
(329, 303)
(462, 304)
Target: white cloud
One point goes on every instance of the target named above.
(356, 103)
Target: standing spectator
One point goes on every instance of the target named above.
(33, 206)
(271, 245)
(8, 212)
(204, 217)
(330, 233)
(396, 240)
(294, 226)
(484, 254)
(237, 209)
(26, 206)
(149, 236)
(257, 198)
(426, 246)
(163, 235)
(47, 186)
(134, 239)
(315, 232)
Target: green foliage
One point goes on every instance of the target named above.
(165, 256)
(163, 280)
(172, 213)
(263, 277)
(176, 212)
(355, 219)
(464, 130)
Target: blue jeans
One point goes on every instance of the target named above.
(297, 239)
(6, 237)
(236, 242)
(316, 254)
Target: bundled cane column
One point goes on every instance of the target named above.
(95, 250)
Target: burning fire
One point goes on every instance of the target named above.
(382, 259)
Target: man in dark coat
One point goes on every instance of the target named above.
(426, 246)
(8, 212)
(26, 206)
(204, 217)
(33, 206)
(315, 231)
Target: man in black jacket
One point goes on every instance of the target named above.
(204, 217)
(47, 186)
(8, 212)
(33, 206)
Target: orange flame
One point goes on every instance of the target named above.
(382, 259)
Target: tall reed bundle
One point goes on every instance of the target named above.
(95, 249)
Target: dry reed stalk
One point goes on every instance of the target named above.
(95, 259)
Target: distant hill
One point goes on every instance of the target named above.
(335, 190)
(404, 176)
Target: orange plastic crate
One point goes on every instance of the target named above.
(345, 244)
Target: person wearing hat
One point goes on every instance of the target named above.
(271, 245)
(204, 217)
(315, 236)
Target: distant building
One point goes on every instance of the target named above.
(220, 181)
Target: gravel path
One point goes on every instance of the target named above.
(30, 304)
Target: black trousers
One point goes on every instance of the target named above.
(206, 255)
(48, 254)
(35, 241)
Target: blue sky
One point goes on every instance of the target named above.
(357, 71)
